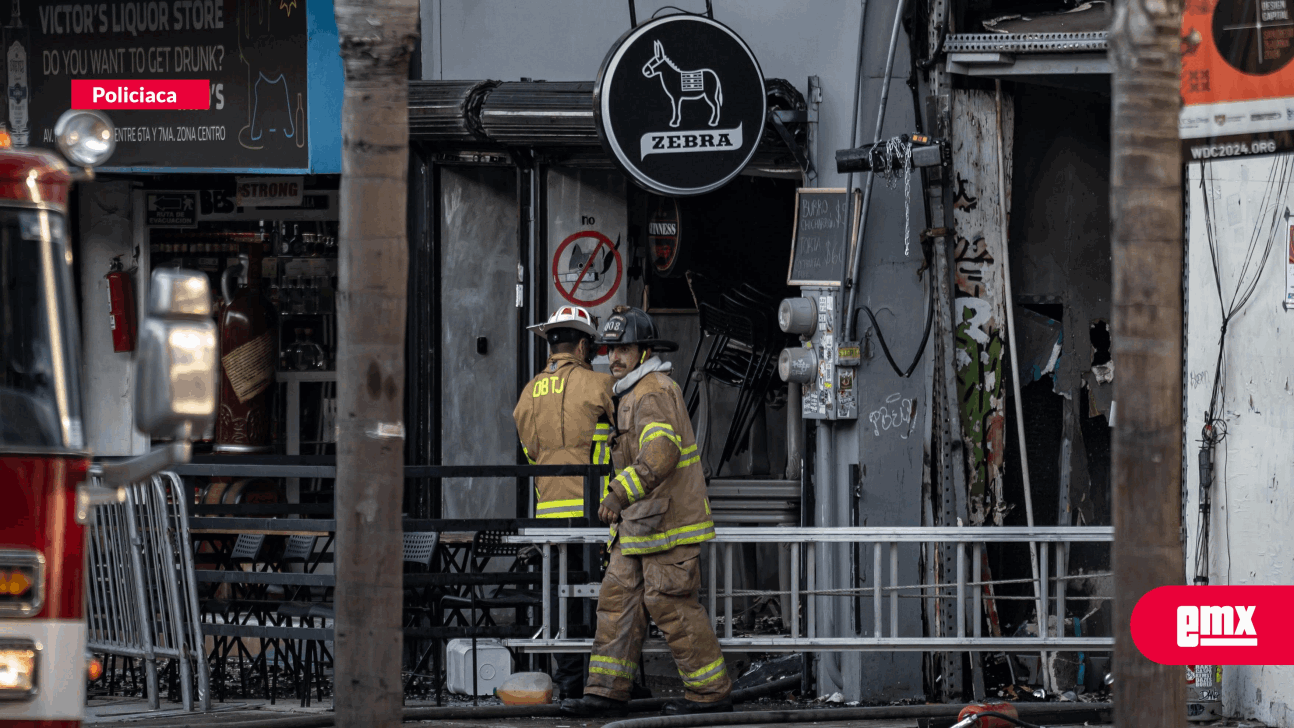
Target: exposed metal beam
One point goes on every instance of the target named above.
(852, 644)
(914, 534)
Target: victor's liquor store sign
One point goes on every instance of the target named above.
(250, 57)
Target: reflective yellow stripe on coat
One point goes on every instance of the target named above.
(628, 479)
(602, 453)
(572, 508)
(656, 542)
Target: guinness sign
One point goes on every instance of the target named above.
(680, 105)
(663, 239)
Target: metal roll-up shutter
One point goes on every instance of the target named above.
(540, 114)
(447, 111)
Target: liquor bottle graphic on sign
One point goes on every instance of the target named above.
(16, 45)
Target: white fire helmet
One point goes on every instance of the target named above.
(568, 317)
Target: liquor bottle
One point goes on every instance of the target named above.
(283, 244)
(17, 44)
(249, 350)
(306, 355)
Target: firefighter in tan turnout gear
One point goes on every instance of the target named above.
(564, 418)
(659, 514)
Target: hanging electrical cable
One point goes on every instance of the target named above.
(927, 247)
(892, 160)
(1214, 431)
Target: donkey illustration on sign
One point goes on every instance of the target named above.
(683, 85)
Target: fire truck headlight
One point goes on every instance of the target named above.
(18, 664)
(85, 136)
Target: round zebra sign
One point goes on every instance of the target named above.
(680, 105)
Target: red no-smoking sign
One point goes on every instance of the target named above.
(587, 268)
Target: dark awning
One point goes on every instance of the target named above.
(556, 117)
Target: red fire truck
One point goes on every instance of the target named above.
(46, 484)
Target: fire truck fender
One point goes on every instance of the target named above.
(60, 670)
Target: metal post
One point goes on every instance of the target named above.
(145, 623)
(186, 550)
(876, 589)
(856, 259)
(794, 614)
(812, 584)
(293, 435)
(714, 585)
(543, 589)
(978, 590)
(727, 590)
(961, 590)
(1044, 627)
(894, 592)
(1061, 548)
(561, 591)
(591, 500)
(155, 510)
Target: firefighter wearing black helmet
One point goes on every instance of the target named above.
(659, 514)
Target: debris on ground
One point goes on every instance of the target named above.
(767, 670)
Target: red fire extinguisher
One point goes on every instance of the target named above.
(121, 307)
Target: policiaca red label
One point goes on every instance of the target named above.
(173, 94)
(1215, 625)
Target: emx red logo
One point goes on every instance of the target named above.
(1215, 625)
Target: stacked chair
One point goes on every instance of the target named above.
(744, 341)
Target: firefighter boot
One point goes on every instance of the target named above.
(569, 676)
(596, 706)
(692, 707)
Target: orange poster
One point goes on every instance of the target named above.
(1237, 79)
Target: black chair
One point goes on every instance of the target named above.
(744, 344)
(302, 658)
(487, 546)
(420, 612)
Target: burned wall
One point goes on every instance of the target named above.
(1061, 277)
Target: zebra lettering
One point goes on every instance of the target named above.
(674, 142)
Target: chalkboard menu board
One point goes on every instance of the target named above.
(824, 236)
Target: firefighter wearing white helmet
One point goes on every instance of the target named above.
(564, 417)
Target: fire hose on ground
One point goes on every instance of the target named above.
(1050, 712)
(490, 711)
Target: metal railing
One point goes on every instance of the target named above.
(141, 595)
(966, 593)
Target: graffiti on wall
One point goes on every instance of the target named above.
(979, 349)
(980, 341)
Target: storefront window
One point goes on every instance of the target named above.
(40, 400)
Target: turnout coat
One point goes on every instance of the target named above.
(660, 487)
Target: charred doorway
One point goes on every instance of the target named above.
(712, 270)
(1061, 276)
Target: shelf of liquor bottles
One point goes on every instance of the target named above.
(274, 285)
(297, 276)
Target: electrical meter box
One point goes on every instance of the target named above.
(824, 367)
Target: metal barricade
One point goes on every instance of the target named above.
(141, 593)
(965, 593)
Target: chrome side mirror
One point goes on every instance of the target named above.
(175, 369)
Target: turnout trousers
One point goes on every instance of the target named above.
(667, 585)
